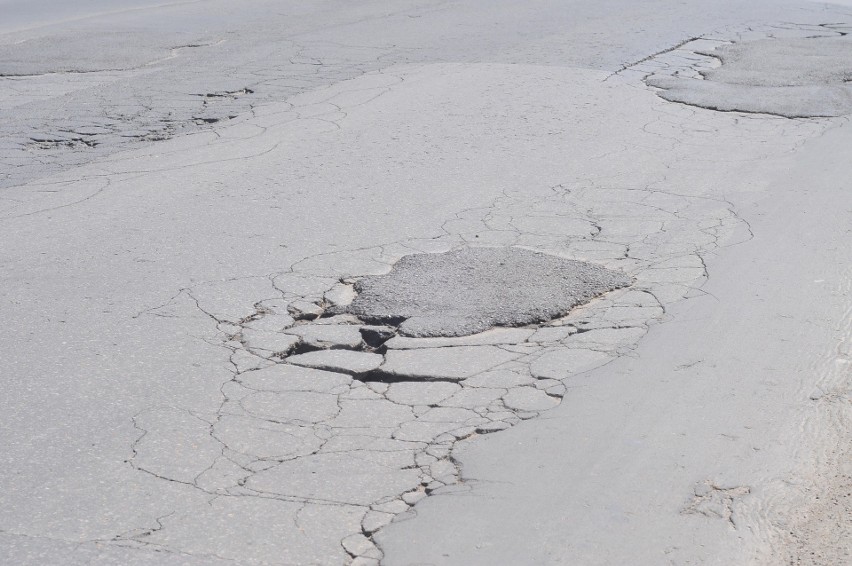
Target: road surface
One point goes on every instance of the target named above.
(193, 192)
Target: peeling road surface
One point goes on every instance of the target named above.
(193, 193)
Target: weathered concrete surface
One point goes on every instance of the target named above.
(180, 219)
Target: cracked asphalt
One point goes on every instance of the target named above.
(424, 282)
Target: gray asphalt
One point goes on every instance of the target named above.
(474, 289)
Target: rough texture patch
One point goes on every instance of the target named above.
(800, 77)
(472, 289)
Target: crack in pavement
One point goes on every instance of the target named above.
(399, 433)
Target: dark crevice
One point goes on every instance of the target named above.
(304, 348)
(226, 94)
(67, 143)
(377, 320)
(380, 376)
(376, 336)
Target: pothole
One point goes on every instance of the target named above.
(433, 317)
(470, 290)
(792, 77)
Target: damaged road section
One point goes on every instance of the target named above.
(341, 417)
(804, 72)
(472, 289)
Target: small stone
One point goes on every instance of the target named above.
(529, 399)
(345, 361)
(364, 561)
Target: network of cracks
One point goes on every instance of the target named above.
(332, 408)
